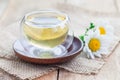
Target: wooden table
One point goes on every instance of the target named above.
(80, 16)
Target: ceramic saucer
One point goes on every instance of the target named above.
(73, 51)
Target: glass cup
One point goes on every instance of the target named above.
(46, 33)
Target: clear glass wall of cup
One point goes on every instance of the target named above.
(46, 33)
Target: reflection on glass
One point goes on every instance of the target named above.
(46, 31)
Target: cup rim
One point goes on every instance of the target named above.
(45, 11)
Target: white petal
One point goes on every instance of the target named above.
(91, 55)
(88, 52)
(98, 55)
(84, 49)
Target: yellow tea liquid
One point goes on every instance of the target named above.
(45, 36)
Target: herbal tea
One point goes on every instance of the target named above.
(45, 35)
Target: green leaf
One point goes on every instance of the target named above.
(82, 38)
(91, 26)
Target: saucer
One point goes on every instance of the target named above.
(73, 51)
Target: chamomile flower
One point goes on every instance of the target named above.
(104, 27)
(105, 30)
(95, 45)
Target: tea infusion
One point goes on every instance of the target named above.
(45, 35)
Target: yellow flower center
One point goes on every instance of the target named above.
(94, 44)
(102, 30)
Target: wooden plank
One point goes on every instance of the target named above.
(17, 9)
(65, 75)
(50, 76)
(3, 5)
